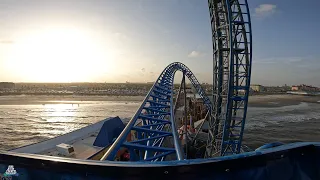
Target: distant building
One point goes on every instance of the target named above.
(256, 87)
(7, 85)
(73, 88)
(241, 91)
(189, 90)
(295, 88)
(304, 87)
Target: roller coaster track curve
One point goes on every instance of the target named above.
(154, 120)
(232, 61)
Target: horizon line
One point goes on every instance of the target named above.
(151, 82)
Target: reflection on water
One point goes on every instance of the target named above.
(25, 124)
(59, 112)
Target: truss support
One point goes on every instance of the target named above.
(156, 138)
(232, 60)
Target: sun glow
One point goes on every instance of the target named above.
(59, 55)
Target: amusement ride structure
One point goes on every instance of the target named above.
(154, 123)
(152, 143)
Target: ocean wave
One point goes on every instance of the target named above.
(73, 123)
(253, 125)
(11, 118)
(280, 119)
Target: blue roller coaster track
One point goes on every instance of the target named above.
(153, 126)
(156, 114)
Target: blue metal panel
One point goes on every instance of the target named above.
(108, 132)
(292, 161)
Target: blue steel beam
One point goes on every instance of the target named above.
(232, 60)
(157, 116)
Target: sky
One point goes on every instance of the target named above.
(134, 40)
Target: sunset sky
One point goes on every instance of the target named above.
(134, 40)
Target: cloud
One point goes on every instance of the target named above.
(194, 54)
(6, 42)
(264, 10)
(143, 69)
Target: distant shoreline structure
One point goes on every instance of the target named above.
(134, 94)
(306, 93)
(132, 89)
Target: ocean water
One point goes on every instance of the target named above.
(26, 124)
(259, 117)
(287, 124)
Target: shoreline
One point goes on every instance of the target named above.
(40, 100)
(262, 101)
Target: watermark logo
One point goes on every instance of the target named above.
(11, 171)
